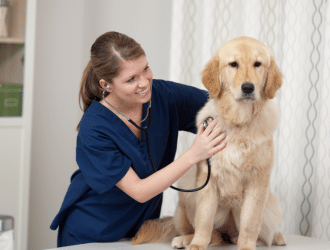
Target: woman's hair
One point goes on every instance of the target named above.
(108, 52)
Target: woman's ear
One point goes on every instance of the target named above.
(274, 79)
(210, 76)
(104, 84)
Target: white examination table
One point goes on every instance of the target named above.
(295, 242)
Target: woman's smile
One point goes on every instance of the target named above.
(143, 92)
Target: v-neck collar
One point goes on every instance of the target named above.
(120, 126)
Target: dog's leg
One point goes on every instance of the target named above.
(206, 206)
(251, 216)
(183, 226)
(182, 223)
(272, 217)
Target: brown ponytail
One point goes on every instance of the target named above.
(107, 54)
(88, 87)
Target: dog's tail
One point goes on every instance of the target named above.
(157, 230)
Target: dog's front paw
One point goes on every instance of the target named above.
(246, 246)
(279, 239)
(246, 243)
(182, 241)
(196, 247)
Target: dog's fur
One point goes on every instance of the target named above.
(237, 201)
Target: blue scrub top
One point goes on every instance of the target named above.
(94, 208)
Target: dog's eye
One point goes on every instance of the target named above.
(233, 64)
(257, 64)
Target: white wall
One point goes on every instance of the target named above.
(65, 32)
(58, 65)
(147, 21)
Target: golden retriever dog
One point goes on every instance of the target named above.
(242, 79)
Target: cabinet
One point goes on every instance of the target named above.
(17, 13)
(12, 52)
(15, 132)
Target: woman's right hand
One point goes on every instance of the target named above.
(208, 142)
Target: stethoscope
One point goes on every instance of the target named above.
(205, 124)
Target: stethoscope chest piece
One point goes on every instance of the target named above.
(207, 122)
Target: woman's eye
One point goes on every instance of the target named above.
(146, 68)
(131, 80)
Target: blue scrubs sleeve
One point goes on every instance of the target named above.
(100, 160)
(189, 100)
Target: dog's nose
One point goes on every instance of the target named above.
(247, 88)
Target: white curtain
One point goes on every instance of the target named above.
(298, 33)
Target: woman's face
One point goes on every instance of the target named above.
(133, 85)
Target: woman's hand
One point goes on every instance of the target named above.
(207, 142)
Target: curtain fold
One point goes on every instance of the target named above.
(298, 34)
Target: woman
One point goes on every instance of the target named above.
(115, 188)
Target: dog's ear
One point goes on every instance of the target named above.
(210, 76)
(274, 79)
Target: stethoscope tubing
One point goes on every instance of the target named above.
(148, 145)
(155, 169)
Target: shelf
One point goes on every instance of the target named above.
(14, 121)
(12, 40)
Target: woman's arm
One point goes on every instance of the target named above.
(206, 144)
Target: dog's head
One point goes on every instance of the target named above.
(244, 67)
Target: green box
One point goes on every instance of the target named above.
(11, 99)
